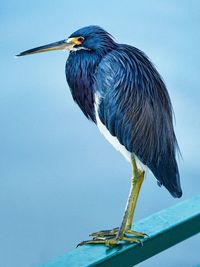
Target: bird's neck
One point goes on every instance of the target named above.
(80, 69)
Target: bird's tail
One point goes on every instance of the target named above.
(167, 173)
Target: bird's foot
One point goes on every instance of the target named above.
(111, 238)
(115, 231)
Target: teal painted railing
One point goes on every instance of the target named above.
(165, 229)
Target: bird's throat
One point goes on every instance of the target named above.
(80, 70)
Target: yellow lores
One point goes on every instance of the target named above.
(75, 40)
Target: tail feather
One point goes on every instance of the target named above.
(167, 173)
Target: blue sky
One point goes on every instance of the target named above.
(59, 179)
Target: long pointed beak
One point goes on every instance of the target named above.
(61, 45)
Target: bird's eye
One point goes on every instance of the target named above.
(80, 39)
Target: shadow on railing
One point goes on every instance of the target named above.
(165, 229)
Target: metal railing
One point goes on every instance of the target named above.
(165, 229)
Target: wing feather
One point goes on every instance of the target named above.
(136, 108)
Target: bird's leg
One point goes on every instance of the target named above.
(136, 182)
(113, 237)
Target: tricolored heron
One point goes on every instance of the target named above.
(118, 88)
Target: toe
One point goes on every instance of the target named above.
(105, 232)
(136, 233)
(131, 240)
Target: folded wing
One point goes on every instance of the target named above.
(135, 107)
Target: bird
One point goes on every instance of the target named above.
(118, 88)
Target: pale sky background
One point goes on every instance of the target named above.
(59, 179)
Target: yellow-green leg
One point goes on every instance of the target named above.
(136, 182)
(113, 237)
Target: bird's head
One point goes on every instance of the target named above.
(90, 38)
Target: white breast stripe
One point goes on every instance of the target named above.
(112, 139)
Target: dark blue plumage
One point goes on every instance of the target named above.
(80, 77)
(134, 103)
